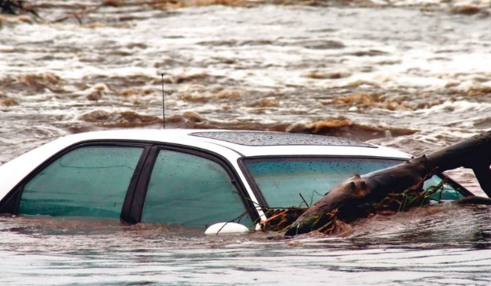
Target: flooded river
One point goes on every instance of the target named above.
(450, 246)
(414, 75)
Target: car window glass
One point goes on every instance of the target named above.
(287, 182)
(283, 182)
(89, 181)
(445, 193)
(192, 191)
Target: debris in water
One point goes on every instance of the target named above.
(327, 75)
(466, 9)
(14, 7)
(399, 181)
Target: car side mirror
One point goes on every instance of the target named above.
(226, 228)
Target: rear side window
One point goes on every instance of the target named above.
(89, 181)
(191, 190)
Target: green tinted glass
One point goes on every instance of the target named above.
(281, 181)
(192, 191)
(445, 193)
(89, 181)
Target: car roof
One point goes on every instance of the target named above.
(247, 143)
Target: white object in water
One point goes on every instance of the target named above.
(226, 228)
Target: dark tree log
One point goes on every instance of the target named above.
(15, 6)
(474, 153)
(10, 6)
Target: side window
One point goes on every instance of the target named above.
(445, 193)
(192, 191)
(89, 181)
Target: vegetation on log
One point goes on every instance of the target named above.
(394, 183)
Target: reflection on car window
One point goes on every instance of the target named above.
(282, 180)
(89, 181)
(192, 191)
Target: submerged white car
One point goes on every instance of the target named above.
(195, 178)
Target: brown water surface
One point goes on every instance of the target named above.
(408, 74)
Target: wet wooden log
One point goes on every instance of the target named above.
(474, 153)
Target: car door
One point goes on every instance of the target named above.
(190, 187)
(87, 179)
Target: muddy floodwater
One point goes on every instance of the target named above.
(409, 74)
(446, 246)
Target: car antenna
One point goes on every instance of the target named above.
(163, 102)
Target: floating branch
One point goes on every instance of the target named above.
(473, 153)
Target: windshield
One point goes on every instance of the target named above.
(286, 182)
